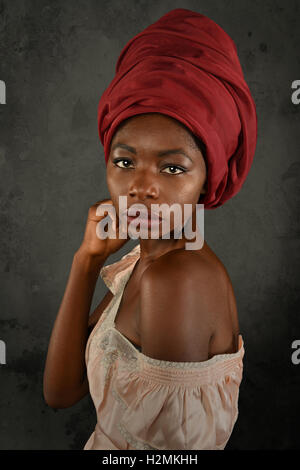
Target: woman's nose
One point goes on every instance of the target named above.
(143, 186)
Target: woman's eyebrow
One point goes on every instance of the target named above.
(125, 147)
(172, 151)
(159, 154)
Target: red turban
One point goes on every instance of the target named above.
(185, 66)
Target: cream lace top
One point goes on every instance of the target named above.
(146, 403)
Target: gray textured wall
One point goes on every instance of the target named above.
(56, 58)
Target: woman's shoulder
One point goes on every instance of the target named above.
(226, 337)
(200, 278)
(185, 264)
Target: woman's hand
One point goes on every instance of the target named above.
(92, 245)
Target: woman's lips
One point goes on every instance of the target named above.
(156, 220)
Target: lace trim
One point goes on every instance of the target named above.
(107, 362)
(99, 329)
(119, 399)
(109, 339)
(138, 445)
(192, 365)
(112, 350)
(117, 354)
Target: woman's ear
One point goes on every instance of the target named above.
(202, 192)
(204, 188)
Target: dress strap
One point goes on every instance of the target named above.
(114, 274)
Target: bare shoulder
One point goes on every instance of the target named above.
(187, 266)
(182, 296)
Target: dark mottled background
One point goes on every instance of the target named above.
(57, 57)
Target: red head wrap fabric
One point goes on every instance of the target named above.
(185, 66)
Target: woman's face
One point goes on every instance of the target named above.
(154, 160)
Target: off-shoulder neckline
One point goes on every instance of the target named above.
(184, 364)
(122, 281)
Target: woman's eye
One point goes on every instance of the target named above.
(126, 162)
(122, 161)
(174, 167)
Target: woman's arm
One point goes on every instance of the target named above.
(181, 316)
(65, 380)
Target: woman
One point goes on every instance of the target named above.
(162, 355)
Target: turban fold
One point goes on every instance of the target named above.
(186, 66)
